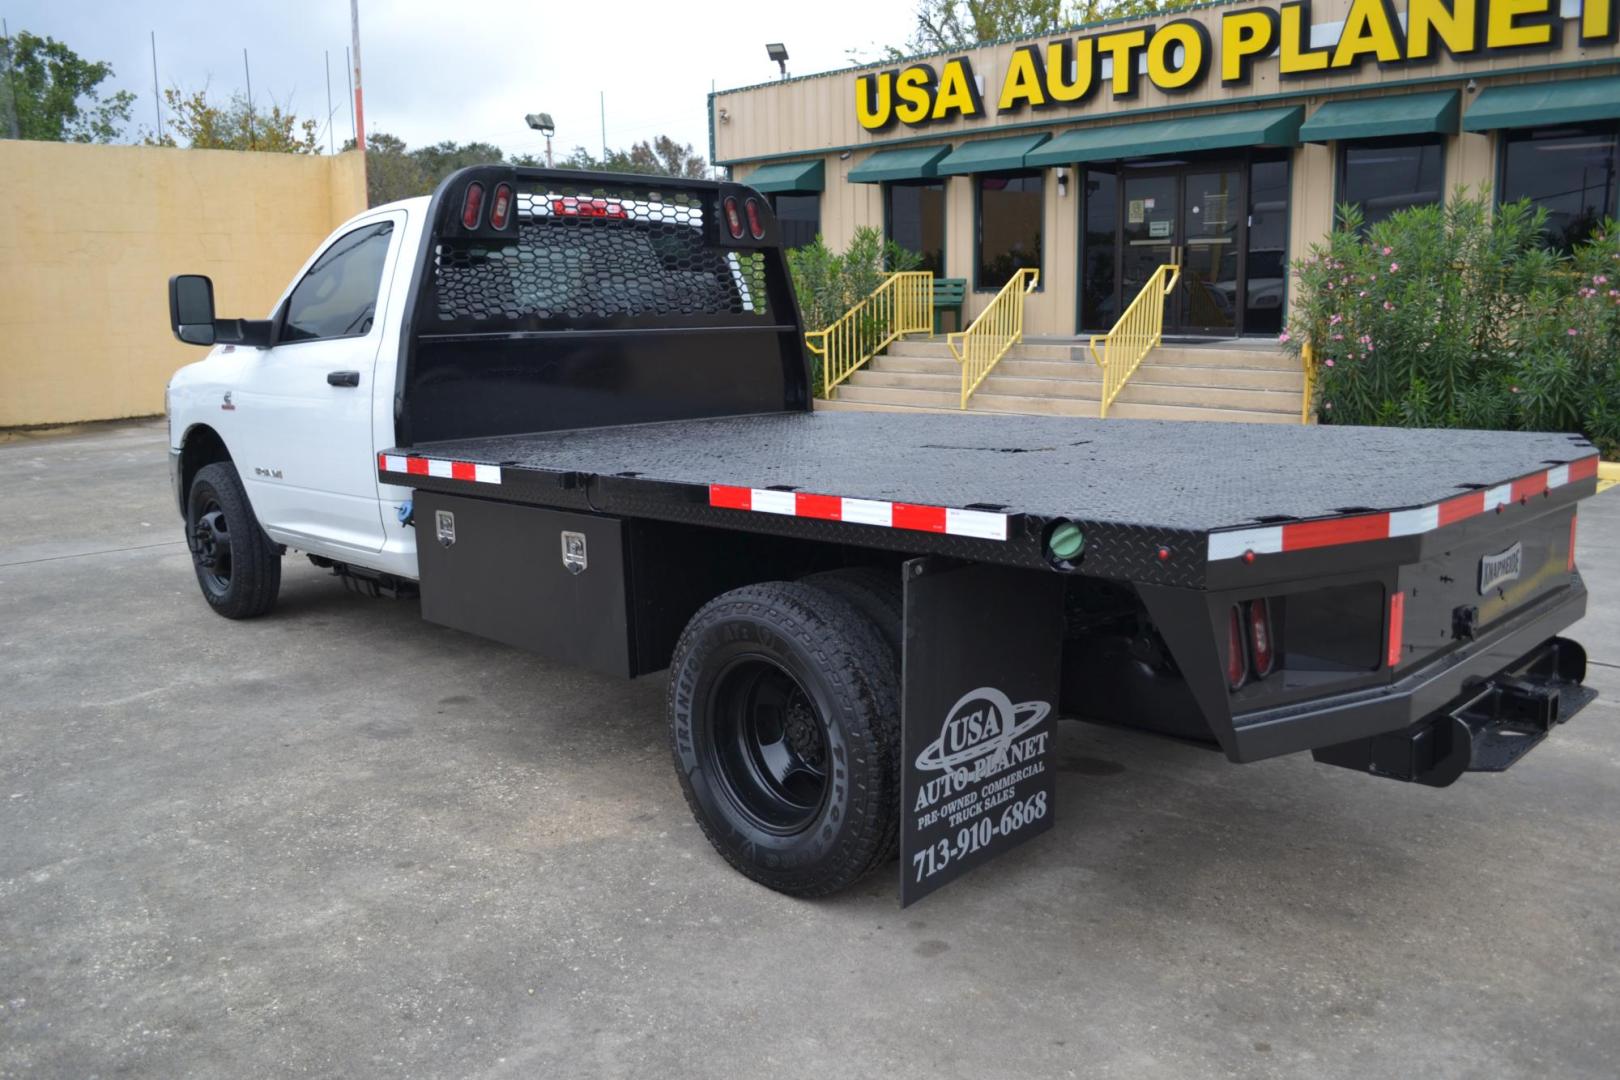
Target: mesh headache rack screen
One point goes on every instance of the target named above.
(594, 255)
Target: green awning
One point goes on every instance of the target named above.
(1544, 104)
(1217, 131)
(787, 176)
(1381, 117)
(990, 155)
(909, 163)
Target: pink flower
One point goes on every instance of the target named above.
(1338, 337)
(1284, 337)
(1601, 279)
(1394, 268)
(1328, 362)
(1363, 294)
(1515, 389)
(1388, 306)
(1336, 319)
(1327, 404)
(1389, 251)
(1574, 332)
(1365, 339)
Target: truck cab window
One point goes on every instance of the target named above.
(338, 297)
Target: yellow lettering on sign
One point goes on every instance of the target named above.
(958, 93)
(915, 91)
(874, 107)
(1245, 37)
(1369, 30)
(1454, 24)
(1023, 84)
(1194, 42)
(1298, 58)
(1597, 20)
(1503, 30)
(1061, 89)
(1123, 47)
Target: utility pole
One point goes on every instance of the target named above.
(359, 94)
(330, 147)
(11, 80)
(157, 101)
(348, 70)
(253, 137)
(604, 127)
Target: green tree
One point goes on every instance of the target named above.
(55, 95)
(955, 25)
(660, 156)
(199, 123)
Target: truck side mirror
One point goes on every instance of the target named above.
(191, 308)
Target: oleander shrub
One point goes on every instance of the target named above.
(829, 283)
(1455, 316)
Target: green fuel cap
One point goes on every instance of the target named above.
(1066, 541)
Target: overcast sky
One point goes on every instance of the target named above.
(450, 69)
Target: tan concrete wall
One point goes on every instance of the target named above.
(91, 236)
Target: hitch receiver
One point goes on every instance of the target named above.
(1488, 729)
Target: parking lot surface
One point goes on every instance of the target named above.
(340, 841)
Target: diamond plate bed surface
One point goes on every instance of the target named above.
(1173, 474)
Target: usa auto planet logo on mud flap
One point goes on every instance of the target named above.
(986, 748)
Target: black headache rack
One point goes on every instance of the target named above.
(550, 299)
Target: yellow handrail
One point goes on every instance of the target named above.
(998, 328)
(1134, 335)
(1307, 360)
(903, 304)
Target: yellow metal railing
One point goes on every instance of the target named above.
(998, 328)
(903, 304)
(1307, 360)
(1134, 335)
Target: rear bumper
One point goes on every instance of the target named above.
(1435, 689)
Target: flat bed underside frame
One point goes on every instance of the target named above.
(1148, 493)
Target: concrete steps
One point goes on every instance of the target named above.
(1255, 383)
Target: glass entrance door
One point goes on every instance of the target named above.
(1195, 215)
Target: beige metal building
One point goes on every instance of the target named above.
(1219, 136)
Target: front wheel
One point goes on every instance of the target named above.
(785, 727)
(238, 566)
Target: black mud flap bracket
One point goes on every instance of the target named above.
(1491, 727)
(983, 649)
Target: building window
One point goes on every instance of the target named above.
(1568, 171)
(1098, 306)
(1266, 269)
(914, 218)
(1010, 215)
(798, 217)
(1385, 175)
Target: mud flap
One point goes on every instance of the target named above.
(983, 649)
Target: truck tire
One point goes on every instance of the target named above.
(238, 566)
(875, 593)
(784, 722)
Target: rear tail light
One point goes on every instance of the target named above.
(734, 223)
(500, 206)
(569, 206)
(756, 223)
(472, 206)
(1262, 645)
(1237, 662)
(1397, 626)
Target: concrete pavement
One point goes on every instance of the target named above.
(340, 841)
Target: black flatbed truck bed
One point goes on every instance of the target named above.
(604, 419)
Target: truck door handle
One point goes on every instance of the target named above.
(343, 378)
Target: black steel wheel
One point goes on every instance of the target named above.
(785, 727)
(237, 565)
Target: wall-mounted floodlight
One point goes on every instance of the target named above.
(778, 52)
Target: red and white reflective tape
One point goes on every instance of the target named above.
(1302, 535)
(446, 470)
(980, 524)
